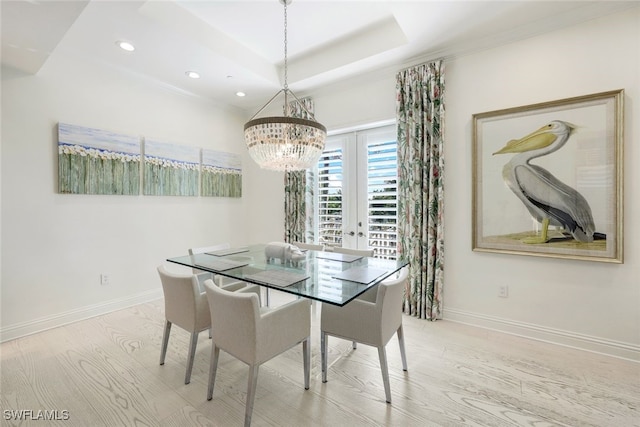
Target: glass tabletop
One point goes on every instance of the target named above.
(319, 275)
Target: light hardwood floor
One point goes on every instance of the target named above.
(104, 371)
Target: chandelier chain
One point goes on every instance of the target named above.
(286, 86)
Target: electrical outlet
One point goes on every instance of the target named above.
(503, 291)
(104, 279)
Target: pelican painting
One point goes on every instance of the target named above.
(549, 200)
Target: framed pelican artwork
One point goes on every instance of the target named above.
(547, 179)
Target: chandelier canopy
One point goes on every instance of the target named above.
(285, 143)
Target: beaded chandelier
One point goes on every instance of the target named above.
(285, 143)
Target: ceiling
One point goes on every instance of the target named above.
(238, 45)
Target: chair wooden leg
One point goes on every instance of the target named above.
(306, 355)
(385, 372)
(165, 341)
(323, 355)
(251, 393)
(213, 368)
(354, 344)
(403, 353)
(191, 356)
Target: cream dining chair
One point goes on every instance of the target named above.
(220, 280)
(357, 252)
(186, 306)
(254, 335)
(371, 319)
(308, 246)
(360, 252)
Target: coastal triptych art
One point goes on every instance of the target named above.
(95, 161)
(221, 174)
(170, 169)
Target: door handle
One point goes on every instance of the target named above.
(360, 234)
(351, 233)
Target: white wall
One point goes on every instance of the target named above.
(591, 305)
(55, 246)
(366, 100)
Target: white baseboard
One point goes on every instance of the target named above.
(38, 325)
(618, 349)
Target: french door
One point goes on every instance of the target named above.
(356, 191)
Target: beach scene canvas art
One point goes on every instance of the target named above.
(170, 169)
(221, 174)
(96, 161)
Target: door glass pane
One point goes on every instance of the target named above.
(382, 211)
(329, 204)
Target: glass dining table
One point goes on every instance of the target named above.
(328, 277)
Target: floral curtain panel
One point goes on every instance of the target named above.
(294, 206)
(420, 117)
(298, 191)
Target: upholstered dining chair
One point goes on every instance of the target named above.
(220, 280)
(371, 319)
(186, 306)
(361, 252)
(308, 246)
(254, 335)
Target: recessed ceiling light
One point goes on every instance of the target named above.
(192, 74)
(125, 46)
(240, 94)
